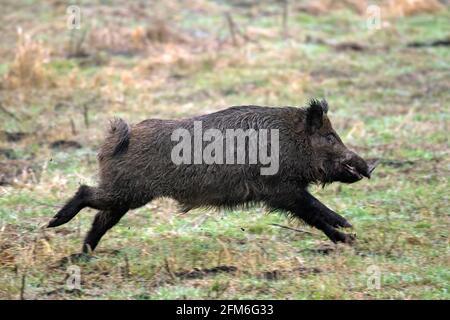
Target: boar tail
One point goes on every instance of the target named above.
(121, 130)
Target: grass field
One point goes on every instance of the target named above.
(60, 87)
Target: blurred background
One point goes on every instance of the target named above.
(67, 68)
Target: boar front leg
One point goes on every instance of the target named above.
(314, 213)
(327, 215)
(332, 233)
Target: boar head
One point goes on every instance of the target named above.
(331, 159)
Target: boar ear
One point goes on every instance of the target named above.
(314, 114)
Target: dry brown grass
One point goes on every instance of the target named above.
(392, 8)
(325, 6)
(401, 8)
(129, 41)
(28, 68)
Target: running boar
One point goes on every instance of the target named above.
(194, 161)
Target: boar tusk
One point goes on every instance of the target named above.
(372, 164)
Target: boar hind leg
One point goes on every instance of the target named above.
(71, 208)
(85, 197)
(103, 221)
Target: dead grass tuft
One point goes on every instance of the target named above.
(161, 32)
(130, 41)
(401, 8)
(325, 6)
(17, 172)
(167, 56)
(397, 8)
(28, 68)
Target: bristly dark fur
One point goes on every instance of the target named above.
(136, 167)
(121, 130)
(316, 103)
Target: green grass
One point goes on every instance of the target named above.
(386, 103)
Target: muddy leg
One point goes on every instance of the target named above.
(103, 221)
(332, 234)
(327, 215)
(314, 213)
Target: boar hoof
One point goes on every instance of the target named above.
(342, 223)
(349, 238)
(343, 237)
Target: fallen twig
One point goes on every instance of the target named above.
(86, 115)
(168, 269)
(9, 113)
(127, 267)
(285, 18)
(436, 43)
(293, 229)
(232, 28)
(22, 286)
(235, 31)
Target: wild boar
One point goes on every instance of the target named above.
(144, 161)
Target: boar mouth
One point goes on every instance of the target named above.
(355, 173)
(366, 172)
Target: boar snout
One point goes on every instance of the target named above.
(356, 168)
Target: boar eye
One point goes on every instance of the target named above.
(330, 138)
